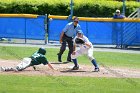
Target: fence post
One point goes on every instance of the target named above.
(71, 11)
(122, 34)
(87, 29)
(46, 28)
(124, 7)
(25, 32)
(139, 13)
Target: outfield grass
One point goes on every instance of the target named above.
(50, 84)
(106, 58)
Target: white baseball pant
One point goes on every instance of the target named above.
(24, 64)
(86, 51)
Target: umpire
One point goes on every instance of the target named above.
(66, 36)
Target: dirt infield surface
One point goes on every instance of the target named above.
(65, 70)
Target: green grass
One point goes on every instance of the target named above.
(16, 52)
(106, 58)
(64, 84)
(119, 59)
(51, 84)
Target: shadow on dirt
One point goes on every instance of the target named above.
(60, 62)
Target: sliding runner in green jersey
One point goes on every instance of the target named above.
(36, 59)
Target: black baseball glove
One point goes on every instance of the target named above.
(79, 41)
(34, 68)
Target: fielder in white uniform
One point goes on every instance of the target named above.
(86, 49)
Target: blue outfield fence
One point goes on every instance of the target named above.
(99, 31)
(113, 33)
(22, 28)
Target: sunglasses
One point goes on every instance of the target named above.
(76, 21)
(117, 12)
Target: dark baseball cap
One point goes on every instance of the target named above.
(76, 19)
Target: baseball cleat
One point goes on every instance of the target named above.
(59, 58)
(14, 69)
(69, 61)
(96, 70)
(75, 68)
(2, 69)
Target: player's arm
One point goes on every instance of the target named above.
(87, 44)
(45, 62)
(74, 46)
(61, 36)
(63, 31)
(50, 66)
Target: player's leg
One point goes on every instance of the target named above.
(7, 69)
(62, 49)
(74, 59)
(24, 64)
(70, 46)
(92, 59)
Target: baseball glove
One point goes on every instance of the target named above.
(34, 68)
(79, 41)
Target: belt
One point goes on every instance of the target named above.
(67, 36)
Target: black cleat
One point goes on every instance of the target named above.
(75, 68)
(96, 70)
(59, 58)
(69, 61)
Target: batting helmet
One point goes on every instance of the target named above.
(42, 51)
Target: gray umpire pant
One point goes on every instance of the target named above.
(66, 40)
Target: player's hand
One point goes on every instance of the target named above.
(73, 53)
(60, 41)
(56, 69)
(87, 44)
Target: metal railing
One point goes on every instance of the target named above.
(135, 14)
(129, 35)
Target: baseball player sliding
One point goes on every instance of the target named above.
(86, 47)
(35, 59)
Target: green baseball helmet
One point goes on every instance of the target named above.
(42, 51)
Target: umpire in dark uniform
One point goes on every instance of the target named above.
(66, 36)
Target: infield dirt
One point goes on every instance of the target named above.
(64, 69)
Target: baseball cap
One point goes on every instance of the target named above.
(117, 11)
(76, 19)
(79, 32)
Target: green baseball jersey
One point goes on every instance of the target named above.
(38, 58)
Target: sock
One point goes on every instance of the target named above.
(75, 62)
(94, 63)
